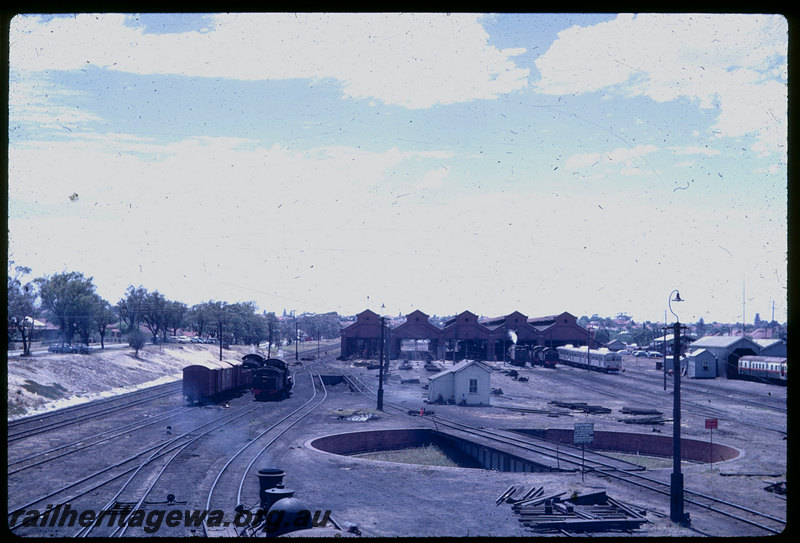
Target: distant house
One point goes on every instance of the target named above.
(467, 381)
(616, 345)
(702, 364)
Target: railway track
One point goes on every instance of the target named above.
(72, 492)
(688, 405)
(57, 420)
(764, 521)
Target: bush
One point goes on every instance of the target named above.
(137, 339)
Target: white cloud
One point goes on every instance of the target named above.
(623, 158)
(412, 60)
(694, 151)
(735, 62)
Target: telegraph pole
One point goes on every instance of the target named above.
(380, 369)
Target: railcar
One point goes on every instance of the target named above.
(598, 359)
(763, 368)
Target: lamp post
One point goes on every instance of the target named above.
(676, 513)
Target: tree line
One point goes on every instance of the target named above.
(70, 301)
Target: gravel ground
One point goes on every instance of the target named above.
(392, 499)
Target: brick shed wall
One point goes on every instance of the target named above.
(652, 445)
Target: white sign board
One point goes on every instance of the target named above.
(584, 433)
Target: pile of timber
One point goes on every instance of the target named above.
(581, 406)
(594, 512)
(639, 411)
(643, 416)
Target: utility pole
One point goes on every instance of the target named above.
(380, 369)
(219, 322)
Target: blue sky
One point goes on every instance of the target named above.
(588, 163)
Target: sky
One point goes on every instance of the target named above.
(590, 163)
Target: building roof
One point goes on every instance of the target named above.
(698, 352)
(718, 341)
(764, 343)
(458, 367)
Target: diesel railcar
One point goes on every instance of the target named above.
(598, 359)
(770, 369)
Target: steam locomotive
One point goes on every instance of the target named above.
(271, 380)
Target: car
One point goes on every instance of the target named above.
(654, 354)
(639, 353)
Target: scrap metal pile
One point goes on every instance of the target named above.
(594, 512)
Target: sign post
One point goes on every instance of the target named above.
(583, 434)
(711, 424)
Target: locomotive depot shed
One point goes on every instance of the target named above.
(463, 336)
(389, 499)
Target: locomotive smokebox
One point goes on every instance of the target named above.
(268, 478)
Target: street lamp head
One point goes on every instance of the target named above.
(670, 299)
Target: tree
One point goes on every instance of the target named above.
(700, 327)
(22, 308)
(137, 340)
(602, 336)
(176, 314)
(103, 316)
(64, 298)
(84, 322)
(200, 317)
(154, 314)
(131, 307)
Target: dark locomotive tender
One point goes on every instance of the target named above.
(271, 380)
(537, 355)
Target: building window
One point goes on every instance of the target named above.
(705, 364)
(473, 386)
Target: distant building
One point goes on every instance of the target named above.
(616, 345)
(467, 381)
(772, 347)
(727, 350)
(465, 336)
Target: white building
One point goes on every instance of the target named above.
(466, 382)
(702, 364)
